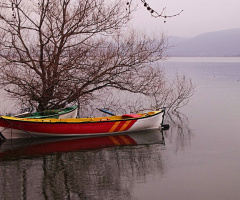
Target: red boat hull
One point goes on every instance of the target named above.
(49, 127)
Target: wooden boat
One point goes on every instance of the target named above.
(17, 148)
(67, 112)
(11, 127)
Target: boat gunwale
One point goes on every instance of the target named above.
(77, 122)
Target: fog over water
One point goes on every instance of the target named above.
(197, 158)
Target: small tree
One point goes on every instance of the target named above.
(58, 52)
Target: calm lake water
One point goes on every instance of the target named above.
(198, 158)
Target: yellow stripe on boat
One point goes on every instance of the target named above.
(124, 125)
(114, 126)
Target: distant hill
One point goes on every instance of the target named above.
(220, 43)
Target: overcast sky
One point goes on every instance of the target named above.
(198, 16)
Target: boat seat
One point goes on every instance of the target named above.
(131, 116)
(93, 119)
(104, 119)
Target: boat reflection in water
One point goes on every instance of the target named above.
(103, 167)
(14, 148)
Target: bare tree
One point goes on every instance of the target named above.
(58, 52)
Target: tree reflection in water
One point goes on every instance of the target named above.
(179, 134)
(104, 173)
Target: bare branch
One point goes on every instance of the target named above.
(155, 14)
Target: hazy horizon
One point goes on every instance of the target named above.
(198, 17)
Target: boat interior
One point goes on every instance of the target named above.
(92, 119)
